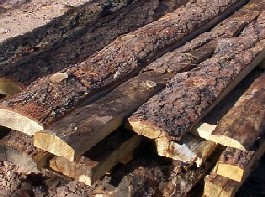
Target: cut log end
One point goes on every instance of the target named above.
(206, 130)
(85, 179)
(18, 122)
(47, 141)
(233, 172)
(227, 141)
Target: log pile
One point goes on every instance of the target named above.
(146, 104)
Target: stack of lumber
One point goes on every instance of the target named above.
(153, 78)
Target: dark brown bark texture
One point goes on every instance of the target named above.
(245, 121)
(236, 157)
(46, 101)
(188, 96)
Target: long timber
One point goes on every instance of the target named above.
(50, 98)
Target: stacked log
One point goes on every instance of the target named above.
(155, 78)
(93, 164)
(46, 101)
(191, 95)
(159, 81)
(245, 130)
(235, 165)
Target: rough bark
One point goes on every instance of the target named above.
(230, 27)
(123, 101)
(35, 25)
(44, 101)
(243, 126)
(96, 34)
(8, 87)
(18, 148)
(237, 164)
(219, 186)
(86, 126)
(191, 95)
(90, 167)
(62, 140)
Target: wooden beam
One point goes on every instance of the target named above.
(163, 65)
(237, 164)
(90, 167)
(219, 186)
(103, 71)
(243, 126)
(90, 124)
(18, 148)
(180, 105)
(108, 113)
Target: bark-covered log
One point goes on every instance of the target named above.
(92, 165)
(108, 113)
(243, 126)
(237, 164)
(8, 87)
(219, 186)
(46, 101)
(39, 24)
(104, 27)
(18, 148)
(85, 127)
(191, 95)
(230, 27)
(162, 65)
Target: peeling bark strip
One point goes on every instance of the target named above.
(45, 102)
(189, 96)
(100, 159)
(89, 39)
(40, 23)
(219, 186)
(243, 126)
(111, 110)
(237, 164)
(18, 148)
(8, 87)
